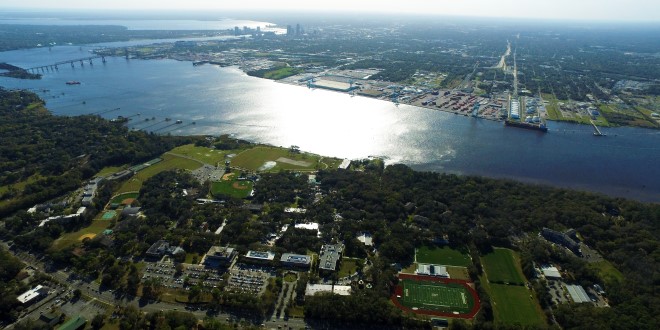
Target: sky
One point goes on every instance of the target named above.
(619, 10)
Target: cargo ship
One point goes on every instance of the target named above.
(73, 82)
(538, 127)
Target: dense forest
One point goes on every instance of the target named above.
(42, 156)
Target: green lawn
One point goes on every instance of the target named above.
(282, 73)
(110, 170)
(202, 154)
(169, 162)
(607, 271)
(515, 304)
(503, 266)
(233, 188)
(348, 267)
(459, 273)
(442, 256)
(119, 198)
(68, 239)
(21, 184)
(254, 160)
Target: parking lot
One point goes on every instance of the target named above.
(249, 279)
(166, 273)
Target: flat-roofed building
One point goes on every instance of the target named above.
(343, 290)
(333, 85)
(296, 260)
(32, 295)
(432, 270)
(220, 256)
(577, 293)
(259, 256)
(330, 256)
(551, 272)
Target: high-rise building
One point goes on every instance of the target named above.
(237, 31)
(289, 30)
(298, 32)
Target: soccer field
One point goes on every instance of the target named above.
(433, 296)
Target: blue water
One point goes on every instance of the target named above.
(225, 100)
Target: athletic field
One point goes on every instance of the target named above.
(436, 296)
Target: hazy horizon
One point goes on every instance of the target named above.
(644, 11)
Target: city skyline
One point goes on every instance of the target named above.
(636, 10)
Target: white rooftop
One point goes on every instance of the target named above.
(551, 272)
(577, 293)
(343, 290)
(366, 239)
(29, 294)
(308, 226)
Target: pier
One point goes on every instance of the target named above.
(597, 131)
(55, 66)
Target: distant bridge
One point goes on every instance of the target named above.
(54, 66)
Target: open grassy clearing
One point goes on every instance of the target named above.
(607, 271)
(272, 159)
(202, 154)
(68, 239)
(348, 267)
(514, 304)
(21, 184)
(120, 198)
(442, 256)
(169, 162)
(503, 266)
(459, 273)
(110, 170)
(234, 188)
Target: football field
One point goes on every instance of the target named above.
(434, 296)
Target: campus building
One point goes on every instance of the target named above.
(330, 257)
(220, 256)
(259, 257)
(432, 270)
(296, 260)
(32, 295)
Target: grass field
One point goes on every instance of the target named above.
(21, 184)
(442, 256)
(110, 170)
(348, 267)
(169, 162)
(254, 160)
(515, 304)
(66, 240)
(202, 154)
(502, 266)
(607, 271)
(120, 198)
(434, 296)
(459, 273)
(233, 188)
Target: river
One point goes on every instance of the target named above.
(225, 100)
